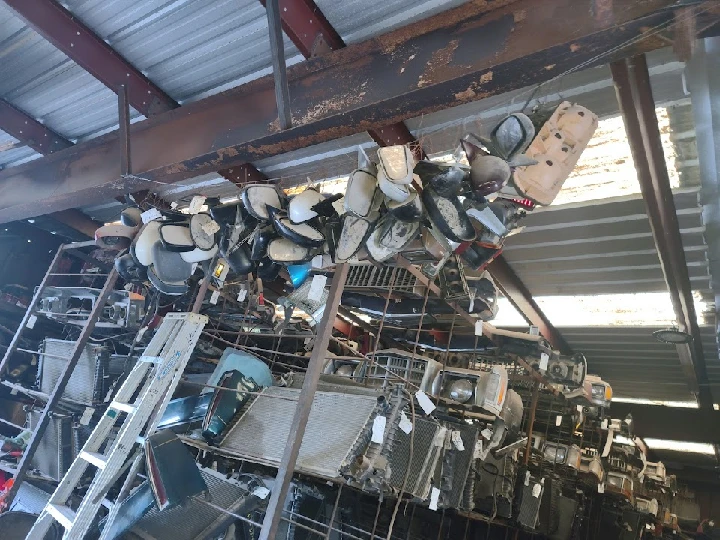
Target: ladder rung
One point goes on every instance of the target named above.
(124, 407)
(8, 423)
(7, 468)
(43, 354)
(95, 458)
(19, 388)
(63, 515)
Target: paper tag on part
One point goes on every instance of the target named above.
(150, 215)
(173, 205)
(317, 287)
(580, 408)
(141, 333)
(601, 487)
(478, 328)
(544, 357)
(424, 401)
(405, 424)
(31, 322)
(242, 295)
(477, 454)
(537, 488)
(527, 478)
(378, 429)
(486, 433)
(457, 440)
(604, 424)
(193, 268)
(14, 392)
(317, 261)
(87, 416)
(211, 227)
(439, 439)
(558, 420)
(214, 297)
(434, 498)
(196, 204)
(261, 492)
(534, 331)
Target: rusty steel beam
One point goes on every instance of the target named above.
(307, 27)
(45, 141)
(459, 56)
(67, 33)
(313, 35)
(520, 297)
(29, 131)
(634, 94)
(286, 469)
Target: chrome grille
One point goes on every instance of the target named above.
(336, 421)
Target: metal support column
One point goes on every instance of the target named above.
(277, 48)
(274, 511)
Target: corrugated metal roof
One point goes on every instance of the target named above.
(635, 363)
(602, 247)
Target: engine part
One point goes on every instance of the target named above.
(72, 305)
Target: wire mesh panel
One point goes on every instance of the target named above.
(367, 278)
(336, 421)
(393, 366)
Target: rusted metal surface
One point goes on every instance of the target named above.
(29, 131)
(632, 85)
(77, 220)
(520, 297)
(450, 59)
(302, 412)
(243, 174)
(307, 27)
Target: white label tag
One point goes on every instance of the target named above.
(440, 435)
(534, 331)
(486, 433)
(558, 420)
(31, 322)
(141, 333)
(544, 361)
(242, 295)
(604, 424)
(477, 454)
(317, 261)
(405, 424)
(14, 392)
(478, 328)
(434, 498)
(196, 204)
(173, 205)
(424, 401)
(601, 487)
(150, 215)
(378, 429)
(211, 227)
(86, 416)
(214, 297)
(261, 492)
(193, 268)
(457, 440)
(527, 478)
(537, 488)
(317, 287)
(580, 408)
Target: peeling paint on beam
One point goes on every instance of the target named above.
(496, 52)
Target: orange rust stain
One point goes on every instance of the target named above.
(486, 77)
(439, 65)
(466, 95)
(519, 15)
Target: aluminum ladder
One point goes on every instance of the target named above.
(28, 321)
(156, 375)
